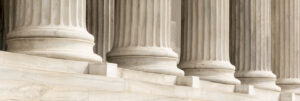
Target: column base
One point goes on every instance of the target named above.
(289, 85)
(152, 64)
(290, 88)
(263, 83)
(214, 75)
(148, 59)
(215, 71)
(259, 79)
(60, 42)
(61, 48)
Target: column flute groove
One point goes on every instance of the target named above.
(52, 28)
(142, 37)
(100, 23)
(205, 42)
(285, 44)
(250, 35)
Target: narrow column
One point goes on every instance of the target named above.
(286, 44)
(142, 37)
(205, 42)
(52, 28)
(2, 26)
(8, 7)
(250, 45)
(100, 23)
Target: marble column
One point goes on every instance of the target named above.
(286, 44)
(250, 42)
(52, 28)
(205, 41)
(100, 23)
(142, 37)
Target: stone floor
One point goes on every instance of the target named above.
(32, 78)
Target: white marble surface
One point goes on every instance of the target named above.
(191, 81)
(20, 83)
(245, 89)
(106, 69)
(42, 63)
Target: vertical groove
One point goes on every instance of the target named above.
(204, 34)
(205, 41)
(251, 35)
(146, 23)
(285, 28)
(100, 23)
(39, 23)
(48, 12)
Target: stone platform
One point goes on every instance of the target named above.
(32, 78)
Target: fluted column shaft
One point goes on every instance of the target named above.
(205, 42)
(142, 37)
(250, 42)
(100, 23)
(52, 28)
(286, 44)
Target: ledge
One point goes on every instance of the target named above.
(28, 83)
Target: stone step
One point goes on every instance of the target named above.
(112, 70)
(147, 77)
(42, 77)
(42, 63)
(20, 83)
(25, 91)
(37, 78)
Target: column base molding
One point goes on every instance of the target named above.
(61, 48)
(290, 88)
(225, 76)
(215, 71)
(289, 85)
(51, 32)
(260, 79)
(152, 64)
(255, 74)
(263, 83)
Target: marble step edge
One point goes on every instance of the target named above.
(42, 63)
(172, 81)
(112, 70)
(48, 64)
(102, 83)
(10, 59)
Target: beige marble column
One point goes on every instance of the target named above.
(52, 28)
(142, 37)
(250, 42)
(286, 44)
(205, 42)
(100, 23)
